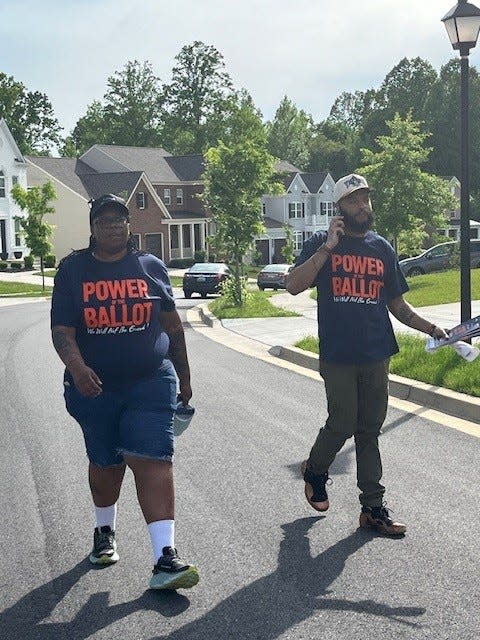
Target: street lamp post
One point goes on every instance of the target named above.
(463, 25)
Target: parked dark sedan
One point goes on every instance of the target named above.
(204, 278)
(438, 258)
(273, 276)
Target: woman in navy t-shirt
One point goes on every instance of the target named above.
(115, 327)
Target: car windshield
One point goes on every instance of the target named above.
(207, 267)
(275, 267)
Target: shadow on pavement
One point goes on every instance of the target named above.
(24, 618)
(270, 606)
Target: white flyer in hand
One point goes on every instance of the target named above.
(463, 331)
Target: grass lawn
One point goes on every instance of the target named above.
(444, 368)
(257, 306)
(176, 281)
(22, 290)
(50, 273)
(435, 288)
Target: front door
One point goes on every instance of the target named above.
(154, 244)
(3, 240)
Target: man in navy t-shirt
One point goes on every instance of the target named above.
(116, 329)
(358, 281)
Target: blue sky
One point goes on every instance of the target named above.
(311, 50)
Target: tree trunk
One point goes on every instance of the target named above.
(43, 274)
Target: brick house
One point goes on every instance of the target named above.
(167, 217)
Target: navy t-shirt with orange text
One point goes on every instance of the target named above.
(114, 307)
(354, 287)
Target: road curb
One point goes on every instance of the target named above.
(459, 405)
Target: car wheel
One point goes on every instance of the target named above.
(261, 288)
(275, 288)
(416, 271)
(204, 295)
(187, 294)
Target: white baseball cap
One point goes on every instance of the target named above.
(347, 185)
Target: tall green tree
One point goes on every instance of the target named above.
(36, 201)
(334, 148)
(405, 198)
(30, 117)
(130, 113)
(196, 98)
(351, 108)
(92, 128)
(290, 134)
(236, 177)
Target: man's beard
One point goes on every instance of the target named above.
(351, 224)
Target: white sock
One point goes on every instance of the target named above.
(106, 516)
(162, 535)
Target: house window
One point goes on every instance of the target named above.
(174, 236)
(141, 200)
(154, 244)
(296, 210)
(18, 228)
(326, 208)
(14, 180)
(452, 233)
(264, 208)
(2, 185)
(138, 240)
(297, 240)
(187, 243)
(166, 196)
(179, 196)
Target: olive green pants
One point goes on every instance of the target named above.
(357, 397)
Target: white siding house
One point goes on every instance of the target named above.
(13, 169)
(307, 207)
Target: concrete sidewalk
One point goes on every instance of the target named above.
(287, 331)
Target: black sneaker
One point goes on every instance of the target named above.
(171, 573)
(104, 546)
(315, 491)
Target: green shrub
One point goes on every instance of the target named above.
(16, 266)
(200, 256)
(180, 263)
(28, 260)
(49, 261)
(3, 265)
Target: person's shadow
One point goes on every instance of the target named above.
(268, 607)
(25, 618)
(265, 608)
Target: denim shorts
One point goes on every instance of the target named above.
(137, 420)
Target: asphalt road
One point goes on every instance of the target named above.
(270, 567)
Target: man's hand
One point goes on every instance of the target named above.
(438, 332)
(86, 381)
(335, 231)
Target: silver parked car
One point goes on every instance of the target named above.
(438, 258)
(273, 276)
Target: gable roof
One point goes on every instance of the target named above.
(314, 180)
(64, 170)
(188, 168)
(151, 160)
(8, 135)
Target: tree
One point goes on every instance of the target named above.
(290, 134)
(198, 95)
(236, 177)
(288, 247)
(92, 128)
(334, 148)
(30, 117)
(405, 197)
(352, 108)
(36, 201)
(130, 114)
(133, 105)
